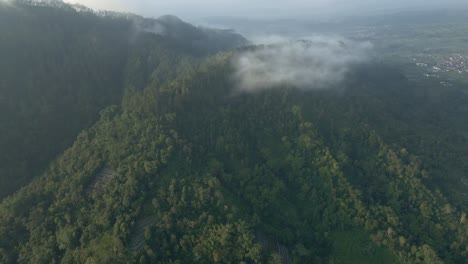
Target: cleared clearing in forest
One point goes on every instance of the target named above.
(99, 180)
(270, 246)
(137, 241)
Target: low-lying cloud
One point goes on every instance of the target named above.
(150, 26)
(315, 63)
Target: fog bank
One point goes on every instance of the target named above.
(315, 63)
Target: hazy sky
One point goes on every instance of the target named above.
(270, 8)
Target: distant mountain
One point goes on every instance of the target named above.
(415, 17)
(190, 38)
(306, 26)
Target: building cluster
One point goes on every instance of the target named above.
(452, 63)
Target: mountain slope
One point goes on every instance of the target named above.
(199, 174)
(60, 67)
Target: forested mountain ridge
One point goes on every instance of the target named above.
(185, 168)
(60, 67)
(202, 178)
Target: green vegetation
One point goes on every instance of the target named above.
(198, 170)
(60, 67)
(354, 247)
(58, 70)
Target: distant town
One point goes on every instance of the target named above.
(434, 65)
(452, 63)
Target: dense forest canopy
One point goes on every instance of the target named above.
(60, 67)
(138, 146)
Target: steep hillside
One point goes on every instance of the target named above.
(60, 67)
(202, 174)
